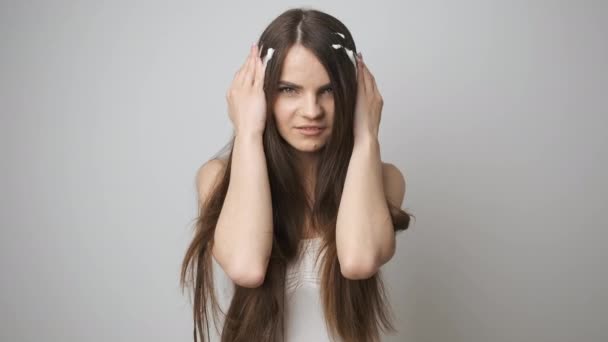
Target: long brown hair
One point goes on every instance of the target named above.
(355, 310)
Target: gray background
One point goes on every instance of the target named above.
(495, 112)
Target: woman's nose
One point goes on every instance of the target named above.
(312, 108)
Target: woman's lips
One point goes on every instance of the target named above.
(311, 131)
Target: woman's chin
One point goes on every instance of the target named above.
(311, 147)
(307, 146)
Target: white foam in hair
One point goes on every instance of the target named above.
(349, 52)
(268, 56)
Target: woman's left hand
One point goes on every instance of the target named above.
(368, 108)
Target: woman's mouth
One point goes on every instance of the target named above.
(308, 131)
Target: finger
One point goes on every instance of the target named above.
(373, 79)
(360, 79)
(367, 79)
(236, 75)
(254, 62)
(240, 77)
(248, 73)
(363, 75)
(263, 68)
(258, 81)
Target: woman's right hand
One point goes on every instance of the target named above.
(246, 98)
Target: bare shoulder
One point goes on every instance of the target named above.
(207, 176)
(209, 169)
(394, 184)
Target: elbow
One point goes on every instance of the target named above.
(248, 279)
(359, 268)
(243, 274)
(355, 269)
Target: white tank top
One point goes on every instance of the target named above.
(304, 320)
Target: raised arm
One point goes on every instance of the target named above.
(243, 234)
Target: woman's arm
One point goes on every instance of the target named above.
(243, 235)
(365, 235)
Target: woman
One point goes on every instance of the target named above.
(302, 213)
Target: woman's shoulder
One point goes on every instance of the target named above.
(394, 183)
(210, 168)
(213, 165)
(208, 175)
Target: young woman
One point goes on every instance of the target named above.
(302, 213)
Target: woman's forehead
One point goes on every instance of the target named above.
(302, 67)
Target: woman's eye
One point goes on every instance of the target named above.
(286, 90)
(289, 90)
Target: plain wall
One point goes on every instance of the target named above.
(495, 111)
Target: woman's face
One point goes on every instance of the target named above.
(305, 98)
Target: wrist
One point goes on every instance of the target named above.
(367, 142)
(248, 135)
(366, 138)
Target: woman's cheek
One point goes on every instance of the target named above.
(283, 108)
(281, 116)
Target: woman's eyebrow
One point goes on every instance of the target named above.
(296, 86)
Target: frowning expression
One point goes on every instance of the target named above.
(305, 98)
